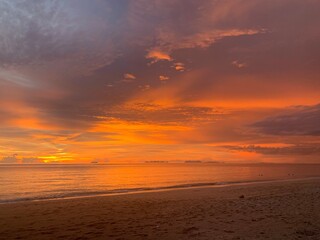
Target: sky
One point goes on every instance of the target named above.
(172, 80)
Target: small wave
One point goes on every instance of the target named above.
(81, 194)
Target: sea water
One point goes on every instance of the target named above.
(53, 181)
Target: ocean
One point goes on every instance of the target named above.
(54, 181)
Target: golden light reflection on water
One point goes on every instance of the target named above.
(56, 180)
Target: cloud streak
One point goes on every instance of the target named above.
(303, 120)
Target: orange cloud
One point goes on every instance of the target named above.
(179, 66)
(129, 76)
(163, 78)
(238, 64)
(158, 55)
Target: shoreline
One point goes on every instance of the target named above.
(161, 189)
(276, 210)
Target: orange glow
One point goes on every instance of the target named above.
(215, 81)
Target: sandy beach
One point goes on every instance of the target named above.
(277, 210)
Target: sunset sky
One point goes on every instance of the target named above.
(136, 80)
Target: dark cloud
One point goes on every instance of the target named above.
(35, 33)
(299, 121)
(40, 32)
(300, 150)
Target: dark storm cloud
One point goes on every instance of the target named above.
(301, 121)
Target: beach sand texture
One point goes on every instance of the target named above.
(278, 210)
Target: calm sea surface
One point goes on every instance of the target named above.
(35, 182)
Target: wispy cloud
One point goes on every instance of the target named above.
(16, 78)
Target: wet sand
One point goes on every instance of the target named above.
(278, 210)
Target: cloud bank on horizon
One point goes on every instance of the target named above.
(229, 80)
